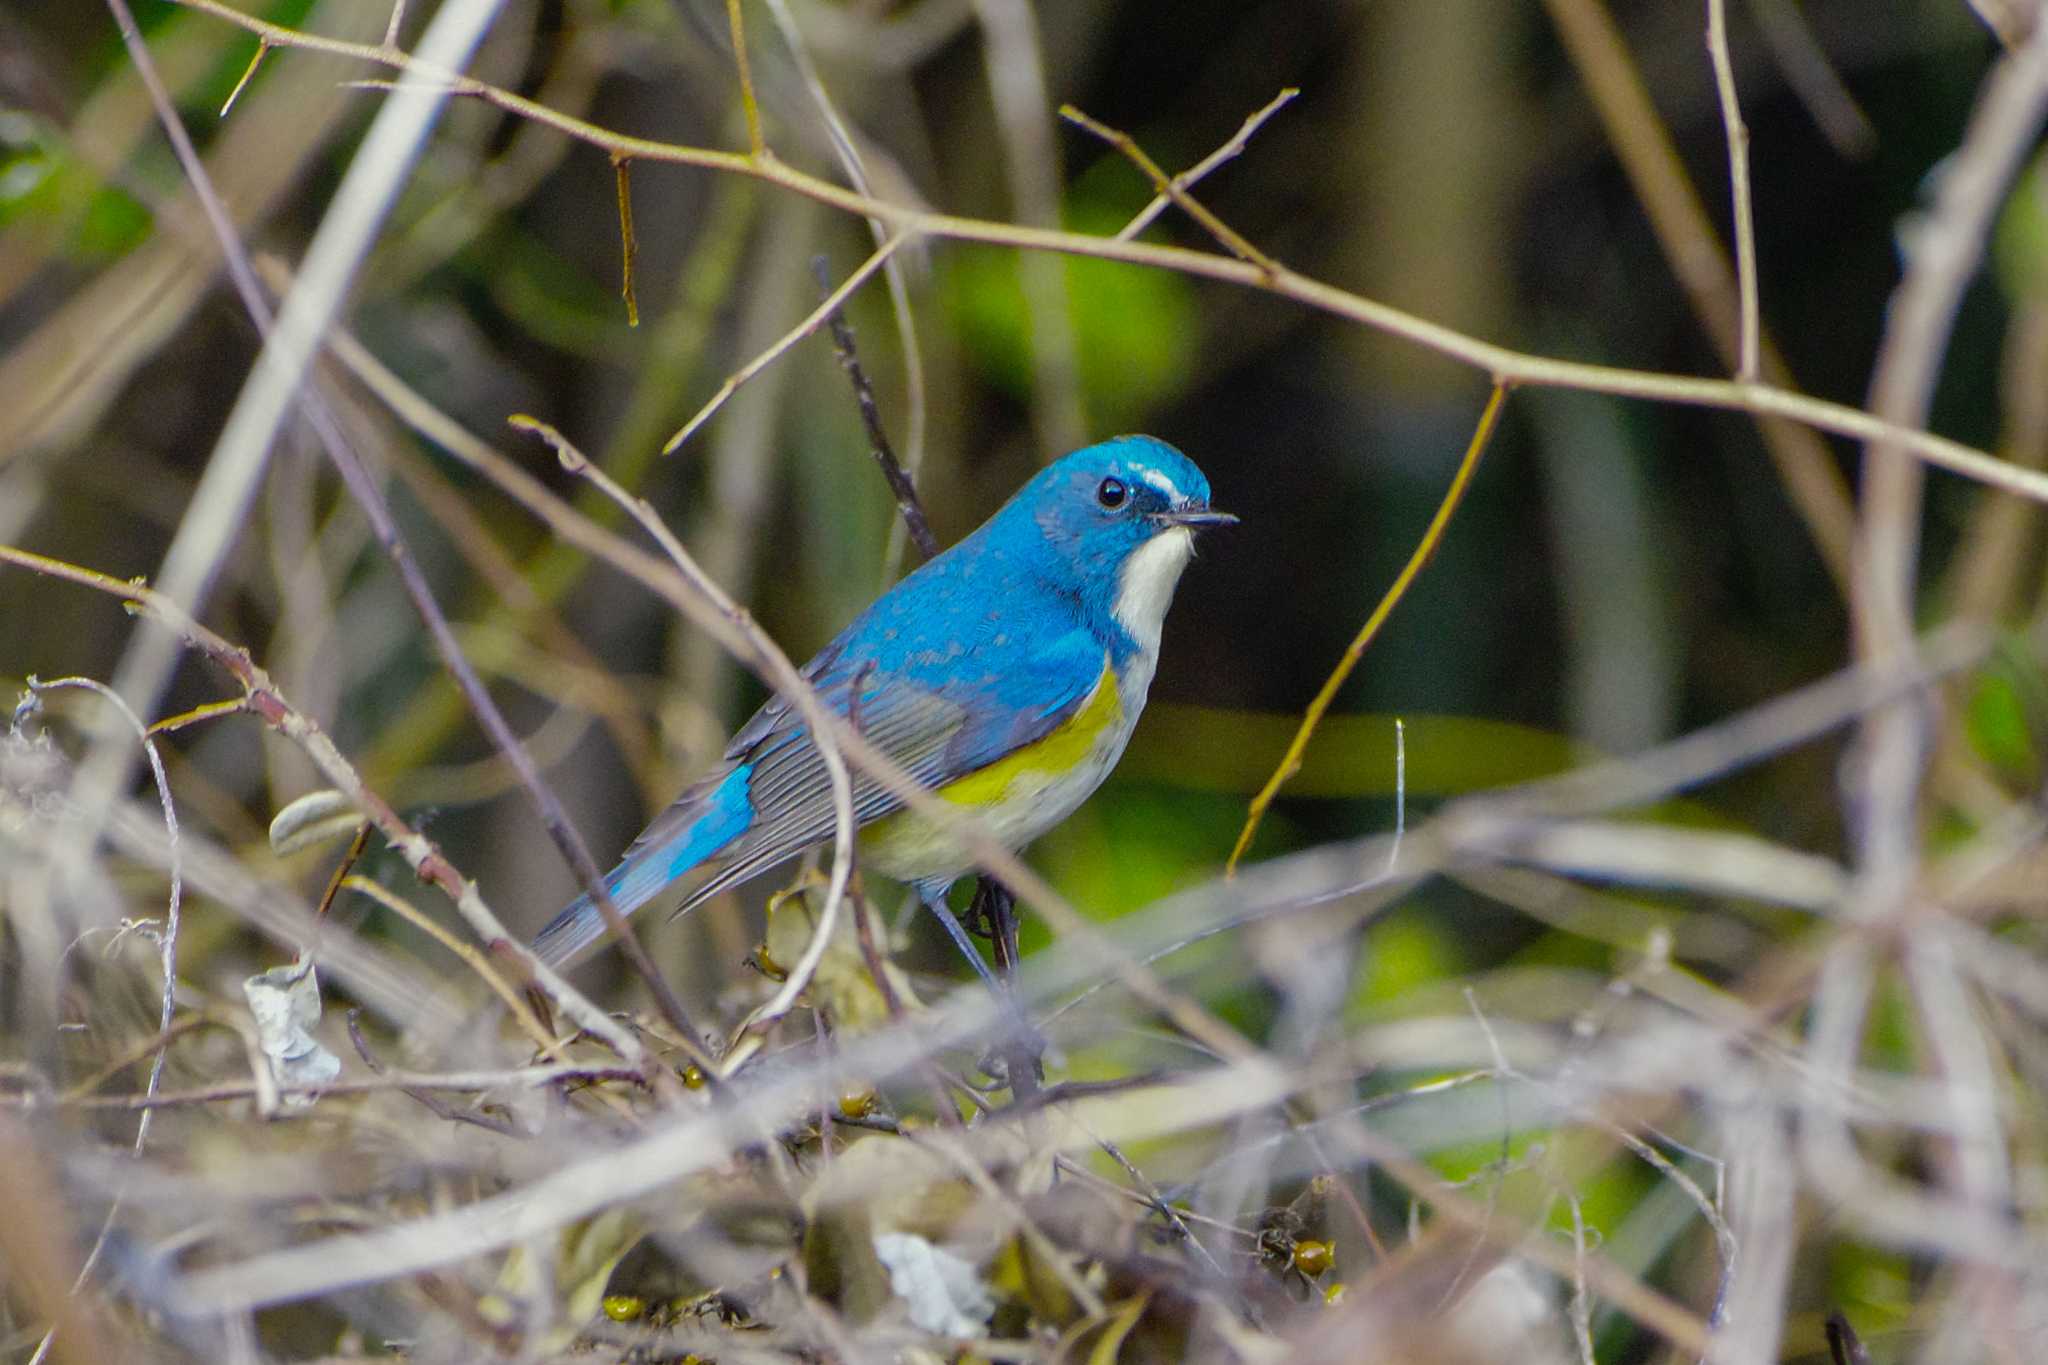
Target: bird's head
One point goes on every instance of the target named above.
(1117, 521)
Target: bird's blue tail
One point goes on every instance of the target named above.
(703, 820)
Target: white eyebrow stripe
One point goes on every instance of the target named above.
(1162, 483)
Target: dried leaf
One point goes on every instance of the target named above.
(945, 1294)
(286, 1004)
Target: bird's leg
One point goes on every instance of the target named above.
(935, 901)
(1024, 1055)
(1022, 1047)
(993, 913)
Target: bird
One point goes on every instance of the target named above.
(1005, 675)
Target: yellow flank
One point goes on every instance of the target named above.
(1057, 754)
(1018, 796)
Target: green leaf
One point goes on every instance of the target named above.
(1135, 329)
(1996, 721)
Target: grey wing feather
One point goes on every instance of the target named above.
(790, 788)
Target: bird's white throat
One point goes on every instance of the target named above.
(1145, 586)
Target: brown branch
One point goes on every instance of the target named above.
(420, 853)
(1432, 536)
(1765, 400)
(1200, 170)
(811, 322)
(370, 496)
(1233, 241)
(1643, 144)
(1738, 182)
(629, 244)
(915, 522)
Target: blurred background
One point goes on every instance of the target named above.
(1620, 573)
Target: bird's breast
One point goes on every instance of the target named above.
(1027, 791)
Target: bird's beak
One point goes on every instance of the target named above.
(1196, 515)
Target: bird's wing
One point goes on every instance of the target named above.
(937, 714)
(947, 684)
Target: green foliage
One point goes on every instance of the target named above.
(43, 185)
(1135, 330)
(1407, 948)
(2000, 729)
(2019, 244)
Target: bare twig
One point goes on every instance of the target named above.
(812, 321)
(1813, 77)
(1884, 787)
(1738, 180)
(855, 165)
(1231, 240)
(907, 504)
(248, 74)
(471, 1081)
(1400, 793)
(167, 951)
(291, 340)
(1432, 536)
(167, 937)
(756, 148)
(788, 681)
(433, 1103)
(420, 852)
(478, 962)
(1188, 178)
(219, 503)
(1647, 153)
(629, 244)
(1502, 363)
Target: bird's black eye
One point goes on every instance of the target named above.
(1111, 493)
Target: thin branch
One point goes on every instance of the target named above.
(1738, 180)
(319, 295)
(1643, 143)
(433, 1103)
(756, 148)
(855, 165)
(167, 937)
(478, 1082)
(1432, 536)
(1233, 241)
(1891, 747)
(1813, 78)
(1188, 178)
(167, 942)
(217, 508)
(915, 523)
(787, 680)
(629, 244)
(248, 74)
(1501, 363)
(478, 962)
(811, 322)
(420, 853)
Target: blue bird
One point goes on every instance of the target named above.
(1005, 675)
